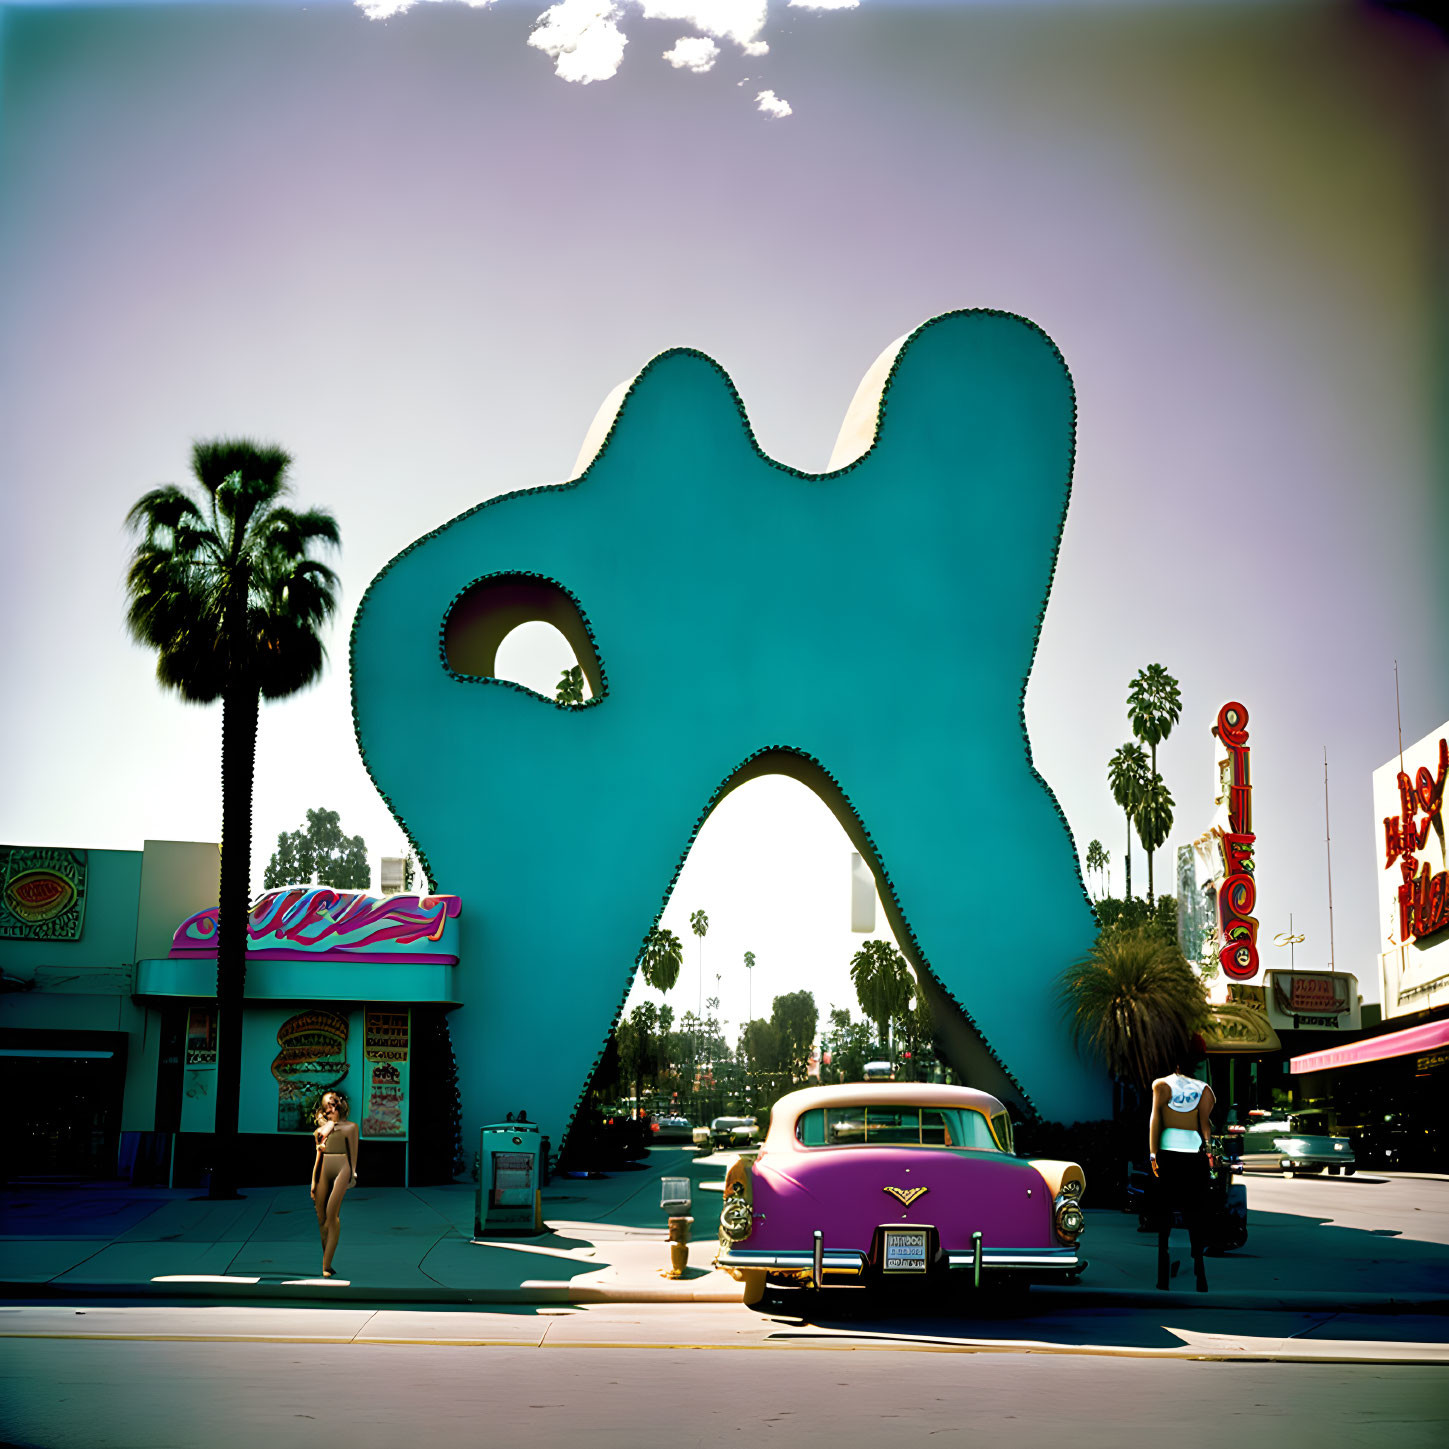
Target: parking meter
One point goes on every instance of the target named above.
(509, 1199)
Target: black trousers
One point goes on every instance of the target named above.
(1183, 1185)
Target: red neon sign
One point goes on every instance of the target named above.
(1423, 896)
(1238, 893)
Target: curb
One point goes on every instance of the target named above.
(340, 1294)
(1050, 1298)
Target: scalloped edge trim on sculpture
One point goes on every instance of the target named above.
(809, 478)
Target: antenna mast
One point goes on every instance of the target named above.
(1328, 846)
(1398, 717)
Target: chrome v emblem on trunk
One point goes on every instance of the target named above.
(907, 1195)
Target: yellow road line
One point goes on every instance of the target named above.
(1195, 1355)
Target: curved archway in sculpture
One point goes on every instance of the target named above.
(969, 1053)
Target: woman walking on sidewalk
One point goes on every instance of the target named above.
(1179, 1137)
(333, 1172)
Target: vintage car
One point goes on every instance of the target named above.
(727, 1132)
(1291, 1146)
(875, 1183)
(673, 1128)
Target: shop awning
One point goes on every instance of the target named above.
(1375, 1049)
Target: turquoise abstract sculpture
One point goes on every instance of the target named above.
(869, 630)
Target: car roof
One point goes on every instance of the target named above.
(874, 1094)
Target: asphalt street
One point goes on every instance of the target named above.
(128, 1395)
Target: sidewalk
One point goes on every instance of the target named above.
(606, 1244)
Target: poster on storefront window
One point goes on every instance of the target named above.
(311, 1057)
(385, 1034)
(201, 1036)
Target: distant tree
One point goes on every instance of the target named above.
(1133, 1002)
(320, 854)
(749, 984)
(914, 1032)
(760, 1045)
(883, 984)
(224, 587)
(1154, 822)
(1154, 705)
(849, 1044)
(570, 687)
(661, 959)
(1096, 860)
(1127, 915)
(1127, 775)
(699, 924)
(794, 1019)
(643, 1039)
(289, 863)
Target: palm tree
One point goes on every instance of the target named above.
(1154, 705)
(1127, 775)
(1134, 1002)
(661, 959)
(699, 924)
(882, 982)
(223, 588)
(749, 985)
(1096, 858)
(1154, 822)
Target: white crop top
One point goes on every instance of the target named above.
(1186, 1092)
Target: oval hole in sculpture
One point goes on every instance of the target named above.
(495, 609)
(536, 655)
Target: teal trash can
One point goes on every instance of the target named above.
(509, 1200)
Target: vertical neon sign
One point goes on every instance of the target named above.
(1238, 894)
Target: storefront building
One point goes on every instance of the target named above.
(108, 1024)
(1387, 1085)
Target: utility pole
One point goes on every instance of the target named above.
(1328, 844)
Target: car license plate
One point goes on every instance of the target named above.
(905, 1250)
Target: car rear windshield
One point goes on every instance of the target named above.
(896, 1127)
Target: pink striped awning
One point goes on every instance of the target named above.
(1375, 1048)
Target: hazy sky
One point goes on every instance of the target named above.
(412, 253)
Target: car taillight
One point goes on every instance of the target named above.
(736, 1219)
(1069, 1220)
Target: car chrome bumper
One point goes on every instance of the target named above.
(843, 1263)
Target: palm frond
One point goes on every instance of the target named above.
(1133, 1002)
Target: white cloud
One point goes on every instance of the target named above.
(586, 38)
(583, 37)
(693, 52)
(385, 9)
(738, 20)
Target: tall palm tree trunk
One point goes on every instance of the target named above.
(1149, 853)
(1128, 814)
(239, 709)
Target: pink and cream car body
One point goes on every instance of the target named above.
(880, 1181)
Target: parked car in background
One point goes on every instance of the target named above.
(726, 1132)
(1283, 1145)
(880, 1183)
(673, 1129)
